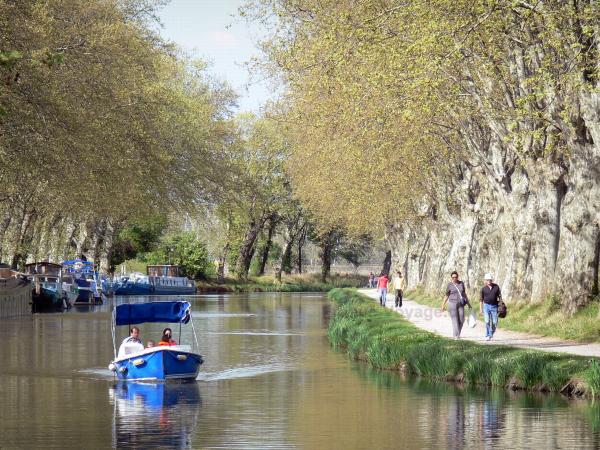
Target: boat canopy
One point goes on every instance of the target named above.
(78, 265)
(169, 312)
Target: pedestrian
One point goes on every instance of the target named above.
(490, 296)
(399, 286)
(456, 298)
(371, 280)
(382, 283)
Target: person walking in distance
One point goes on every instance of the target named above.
(490, 296)
(456, 298)
(382, 284)
(399, 286)
(371, 280)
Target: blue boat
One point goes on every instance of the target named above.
(134, 362)
(80, 282)
(160, 280)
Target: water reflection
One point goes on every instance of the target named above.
(270, 381)
(150, 415)
(445, 415)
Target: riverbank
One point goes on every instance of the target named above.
(385, 340)
(289, 283)
(544, 318)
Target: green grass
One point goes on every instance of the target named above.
(289, 283)
(387, 341)
(543, 318)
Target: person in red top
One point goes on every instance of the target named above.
(166, 338)
(382, 283)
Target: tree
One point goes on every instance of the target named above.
(104, 123)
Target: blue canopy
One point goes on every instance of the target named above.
(170, 312)
(83, 266)
(75, 261)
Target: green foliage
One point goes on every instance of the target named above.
(104, 124)
(384, 100)
(592, 377)
(9, 59)
(185, 250)
(354, 250)
(138, 237)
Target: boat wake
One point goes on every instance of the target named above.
(244, 372)
(211, 315)
(257, 333)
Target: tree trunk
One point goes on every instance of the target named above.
(97, 241)
(247, 249)
(20, 254)
(267, 247)
(3, 227)
(107, 248)
(301, 242)
(387, 263)
(327, 244)
(286, 258)
(221, 263)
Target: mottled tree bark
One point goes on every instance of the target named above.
(264, 257)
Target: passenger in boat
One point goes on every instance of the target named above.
(134, 336)
(150, 344)
(166, 338)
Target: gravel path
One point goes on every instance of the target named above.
(432, 319)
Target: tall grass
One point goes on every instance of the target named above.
(592, 377)
(289, 283)
(387, 341)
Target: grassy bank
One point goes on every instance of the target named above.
(387, 341)
(289, 283)
(544, 318)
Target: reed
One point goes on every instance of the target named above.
(592, 377)
(386, 340)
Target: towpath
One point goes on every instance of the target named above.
(432, 319)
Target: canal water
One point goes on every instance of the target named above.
(270, 380)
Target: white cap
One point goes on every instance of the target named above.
(488, 276)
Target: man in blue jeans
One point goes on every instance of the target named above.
(490, 295)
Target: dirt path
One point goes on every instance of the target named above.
(432, 319)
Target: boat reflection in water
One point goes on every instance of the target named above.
(150, 415)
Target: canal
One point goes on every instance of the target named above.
(269, 380)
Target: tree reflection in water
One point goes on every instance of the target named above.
(154, 414)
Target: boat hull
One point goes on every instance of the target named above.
(147, 289)
(159, 364)
(46, 301)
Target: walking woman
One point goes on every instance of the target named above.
(456, 298)
(382, 284)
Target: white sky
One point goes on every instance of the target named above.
(213, 31)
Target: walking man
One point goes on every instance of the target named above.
(490, 295)
(399, 286)
(382, 284)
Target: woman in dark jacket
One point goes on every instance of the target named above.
(456, 298)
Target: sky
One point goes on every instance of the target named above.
(212, 30)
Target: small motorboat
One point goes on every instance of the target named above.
(162, 363)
